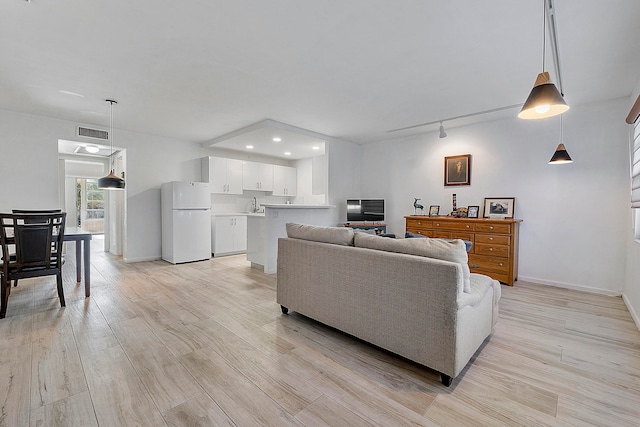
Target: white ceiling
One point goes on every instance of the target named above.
(349, 69)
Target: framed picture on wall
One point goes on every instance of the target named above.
(499, 206)
(472, 211)
(457, 170)
(434, 210)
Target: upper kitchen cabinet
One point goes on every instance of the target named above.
(257, 176)
(223, 175)
(285, 181)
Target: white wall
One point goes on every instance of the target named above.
(575, 216)
(631, 293)
(29, 149)
(344, 176)
(29, 158)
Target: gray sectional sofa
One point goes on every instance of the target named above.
(413, 297)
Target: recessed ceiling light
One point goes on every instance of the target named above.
(315, 147)
(287, 153)
(92, 149)
(277, 139)
(250, 147)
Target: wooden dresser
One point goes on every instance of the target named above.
(495, 242)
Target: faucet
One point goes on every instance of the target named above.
(254, 205)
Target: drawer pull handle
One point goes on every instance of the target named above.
(491, 227)
(491, 238)
(467, 226)
(490, 249)
(500, 264)
(438, 224)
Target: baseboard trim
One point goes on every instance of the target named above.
(632, 312)
(599, 291)
(130, 260)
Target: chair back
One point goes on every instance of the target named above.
(35, 212)
(36, 236)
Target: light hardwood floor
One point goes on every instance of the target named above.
(205, 344)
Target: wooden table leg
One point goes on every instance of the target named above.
(87, 268)
(78, 265)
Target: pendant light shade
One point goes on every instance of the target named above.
(560, 156)
(544, 100)
(111, 181)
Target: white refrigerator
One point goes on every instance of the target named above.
(186, 221)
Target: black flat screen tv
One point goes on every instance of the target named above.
(365, 210)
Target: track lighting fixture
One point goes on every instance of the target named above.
(443, 134)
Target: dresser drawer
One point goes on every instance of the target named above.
(418, 223)
(494, 228)
(421, 231)
(462, 235)
(501, 251)
(488, 263)
(492, 239)
(450, 225)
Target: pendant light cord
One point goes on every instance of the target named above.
(544, 32)
(110, 101)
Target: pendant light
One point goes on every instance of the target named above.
(111, 181)
(561, 156)
(544, 100)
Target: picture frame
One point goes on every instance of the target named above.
(434, 210)
(499, 206)
(472, 211)
(457, 170)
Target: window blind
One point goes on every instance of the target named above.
(635, 167)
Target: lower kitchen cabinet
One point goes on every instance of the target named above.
(228, 234)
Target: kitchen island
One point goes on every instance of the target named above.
(263, 231)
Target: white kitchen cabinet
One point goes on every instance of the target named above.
(285, 180)
(257, 176)
(223, 175)
(228, 235)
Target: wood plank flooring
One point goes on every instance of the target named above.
(205, 344)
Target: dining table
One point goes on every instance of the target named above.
(83, 254)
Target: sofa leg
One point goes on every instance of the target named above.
(446, 380)
(284, 309)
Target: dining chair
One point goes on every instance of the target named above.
(38, 242)
(34, 212)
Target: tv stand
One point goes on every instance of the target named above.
(379, 227)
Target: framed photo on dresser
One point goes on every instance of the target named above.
(472, 211)
(499, 206)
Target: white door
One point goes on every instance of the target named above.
(191, 235)
(224, 234)
(240, 234)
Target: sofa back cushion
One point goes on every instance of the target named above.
(335, 235)
(444, 249)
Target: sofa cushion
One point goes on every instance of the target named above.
(444, 249)
(334, 235)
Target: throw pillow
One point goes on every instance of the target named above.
(335, 235)
(447, 250)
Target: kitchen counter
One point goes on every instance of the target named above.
(259, 214)
(263, 232)
(295, 206)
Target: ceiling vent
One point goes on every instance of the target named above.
(93, 133)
